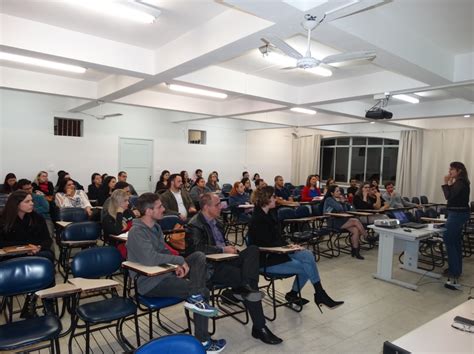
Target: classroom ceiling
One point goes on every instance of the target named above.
(424, 49)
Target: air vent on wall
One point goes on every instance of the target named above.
(68, 127)
(197, 137)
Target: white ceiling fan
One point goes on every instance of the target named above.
(306, 61)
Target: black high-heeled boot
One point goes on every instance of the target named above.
(29, 308)
(355, 252)
(322, 298)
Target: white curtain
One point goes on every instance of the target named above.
(305, 158)
(409, 163)
(440, 147)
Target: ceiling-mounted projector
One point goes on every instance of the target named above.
(378, 113)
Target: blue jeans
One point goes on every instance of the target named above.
(302, 264)
(453, 240)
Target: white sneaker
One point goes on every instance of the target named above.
(452, 284)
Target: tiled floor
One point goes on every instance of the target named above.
(374, 311)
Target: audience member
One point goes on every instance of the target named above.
(310, 190)
(206, 234)
(368, 198)
(187, 182)
(70, 197)
(330, 181)
(282, 194)
(456, 189)
(212, 183)
(62, 175)
(20, 225)
(237, 196)
(146, 246)
(260, 183)
(118, 186)
(118, 219)
(93, 188)
(43, 185)
(245, 174)
(9, 184)
(255, 177)
(334, 202)
(122, 177)
(197, 174)
(375, 183)
(104, 176)
(106, 189)
(248, 186)
(394, 199)
(41, 205)
(217, 175)
(176, 200)
(198, 189)
(163, 183)
(352, 190)
(265, 231)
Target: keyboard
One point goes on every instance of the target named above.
(414, 225)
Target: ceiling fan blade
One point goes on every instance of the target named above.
(112, 115)
(284, 47)
(289, 68)
(337, 58)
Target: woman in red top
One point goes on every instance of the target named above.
(311, 190)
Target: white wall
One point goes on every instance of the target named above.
(28, 144)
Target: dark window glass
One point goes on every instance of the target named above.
(359, 141)
(343, 141)
(374, 156)
(358, 163)
(375, 141)
(389, 170)
(342, 164)
(328, 163)
(328, 142)
(390, 142)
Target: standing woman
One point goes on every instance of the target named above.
(106, 189)
(334, 202)
(93, 188)
(9, 185)
(162, 185)
(43, 185)
(20, 225)
(456, 189)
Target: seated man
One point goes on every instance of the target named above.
(146, 245)
(122, 177)
(394, 199)
(176, 200)
(206, 234)
(282, 194)
(352, 190)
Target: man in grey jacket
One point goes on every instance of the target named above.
(146, 246)
(394, 199)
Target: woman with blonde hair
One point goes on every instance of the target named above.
(42, 185)
(118, 219)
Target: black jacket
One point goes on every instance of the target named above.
(457, 195)
(264, 231)
(199, 236)
(32, 229)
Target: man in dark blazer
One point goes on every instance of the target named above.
(176, 200)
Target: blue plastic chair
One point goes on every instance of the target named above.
(173, 344)
(27, 275)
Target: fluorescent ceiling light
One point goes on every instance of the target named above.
(196, 91)
(117, 9)
(406, 98)
(372, 122)
(302, 110)
(286, 61)
(350, 3)
(42, 63)
(467, 116)
(319, 70)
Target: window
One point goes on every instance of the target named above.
(359, 157)
(197, 137)
(68, 127)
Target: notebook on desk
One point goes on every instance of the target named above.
(404, 222)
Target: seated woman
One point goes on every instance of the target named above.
(334, 202)
(69, 197)
(42, 185)
(264, 231)
(368, 197)
(20, 225)
(310, 190)
(9, 185)
(330, 181)
(93, 188)
(212, 183)
(237, 196)
(62, 175)
(118, 219)
(198, 190)
(106, 189)
(187, 182)
(247, 185)
(162, 185)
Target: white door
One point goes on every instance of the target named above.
(136, 158)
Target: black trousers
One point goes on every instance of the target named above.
(241, 271)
